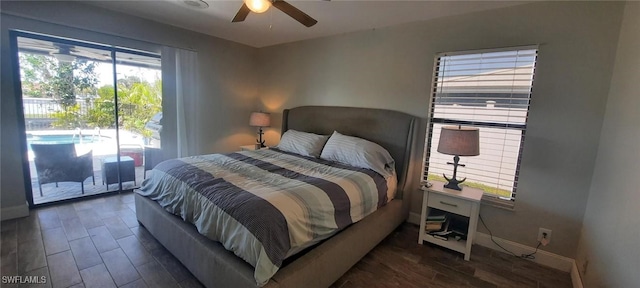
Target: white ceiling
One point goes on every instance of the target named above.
(274, 27)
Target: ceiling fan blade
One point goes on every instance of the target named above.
(295, 13)
(242, 13)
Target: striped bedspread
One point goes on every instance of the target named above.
(265, 205)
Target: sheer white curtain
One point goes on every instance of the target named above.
(186, 91)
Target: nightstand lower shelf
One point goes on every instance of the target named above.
(455, 245)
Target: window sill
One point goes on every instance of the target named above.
(498, 203)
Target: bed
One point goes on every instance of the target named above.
(325, 262)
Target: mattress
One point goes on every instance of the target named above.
(265, 205)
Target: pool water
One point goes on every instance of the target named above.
(63, 138)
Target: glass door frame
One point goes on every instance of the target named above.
(17, 83)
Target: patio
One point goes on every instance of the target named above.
(103, 145)
(69, 190)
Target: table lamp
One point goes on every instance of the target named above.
(458, 141)
(260, 119)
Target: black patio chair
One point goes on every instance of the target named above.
(59, 163)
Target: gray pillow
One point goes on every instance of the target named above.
(302, 143)
(358, 152)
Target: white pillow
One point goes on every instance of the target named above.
(303, 143)
(358, 152)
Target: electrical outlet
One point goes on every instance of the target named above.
(541, 233)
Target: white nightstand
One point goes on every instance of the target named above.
(250, 148)
(465, 203)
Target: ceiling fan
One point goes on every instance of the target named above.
(63, 54)
(260, 6)
(69, 53)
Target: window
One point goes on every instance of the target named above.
(489, 90)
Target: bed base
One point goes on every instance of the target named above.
(214, 266)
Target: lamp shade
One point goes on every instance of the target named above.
(460, 141)
(260, 119)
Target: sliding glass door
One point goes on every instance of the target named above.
(139, 91)
(90, 111)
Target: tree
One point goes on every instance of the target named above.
(43, 76)
(138, 104)
(101, 114)
(36, 71)
(128, 81)
(62, 85)
(138, 101)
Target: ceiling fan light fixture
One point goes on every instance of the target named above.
(258, 6)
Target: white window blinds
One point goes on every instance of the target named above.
(489, 90)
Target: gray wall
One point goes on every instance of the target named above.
(392, 68)
(608, 254)
(227, 89)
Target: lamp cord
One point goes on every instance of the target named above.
(522, 256)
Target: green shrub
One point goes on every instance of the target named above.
(69, 118)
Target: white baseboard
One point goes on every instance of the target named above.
(12, 212)
(414, 218)
(542, 257)
(576, 280)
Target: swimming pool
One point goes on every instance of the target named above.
(100, 142)
(64, 138)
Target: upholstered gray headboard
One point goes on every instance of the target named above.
(393, 130)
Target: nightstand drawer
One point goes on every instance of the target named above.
(450, 204)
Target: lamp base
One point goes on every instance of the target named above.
(454, 183)
(259, 141)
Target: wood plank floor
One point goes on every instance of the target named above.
(98, 243)
(399, 261)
